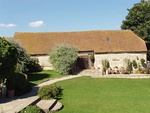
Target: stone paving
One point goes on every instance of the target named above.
(15, 104)
(98, 74)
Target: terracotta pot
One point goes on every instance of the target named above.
(92, 67)
(104, 73)
(10, 93)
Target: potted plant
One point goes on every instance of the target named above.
(92, 61)
(105, 64)
(143, 63)
(3, 87)
(129, 67)
(104, 71)
(92, 58)
(134, 64)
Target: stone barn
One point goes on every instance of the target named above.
(112, 45)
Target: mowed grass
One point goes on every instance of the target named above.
(39, 77)
(88, 95)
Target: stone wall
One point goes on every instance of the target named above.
(117, 59)
(114, 59)
(44, 62)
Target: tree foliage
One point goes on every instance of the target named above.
(25, 62)
(23, 57)
(63, 58)
(138, 20)
(8, 58)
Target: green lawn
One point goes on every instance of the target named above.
(39, 77)
(88, 95)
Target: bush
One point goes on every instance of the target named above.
(50, 91)
(33, 65)
(25, 62)
(129, 66)
(31, 109)
(22, 85)
(105, 64)
(18, 83)
(134, 64)
(92, 58)
(143, 62)
(63, 58)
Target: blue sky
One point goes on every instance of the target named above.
(61, 15)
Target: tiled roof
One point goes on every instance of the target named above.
(98, 41)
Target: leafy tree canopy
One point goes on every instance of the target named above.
(25, 63)
(23, 57)
(8, 57)
(138, 20)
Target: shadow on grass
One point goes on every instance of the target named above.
(34, 77)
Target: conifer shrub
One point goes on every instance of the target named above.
(63, 58)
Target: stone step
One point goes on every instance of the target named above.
(22, 105)
(57, 107)
(49, 105)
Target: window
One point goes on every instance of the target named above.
(107, 39)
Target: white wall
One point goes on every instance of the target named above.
(114, 59)
(44, 62)
(117, 59)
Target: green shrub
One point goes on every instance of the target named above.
(134, 64)
(33, 65)
(50, 91)
(129, 66)
(142, 61)
(105, 64)
(63, 58)
(18, 83)
(92, 58)
(31, 109)
(22, 85)
(11, 82)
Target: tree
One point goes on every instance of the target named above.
(8, 58)
(23, 57)
(63, 58)
(138, 20)
(25, 62)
